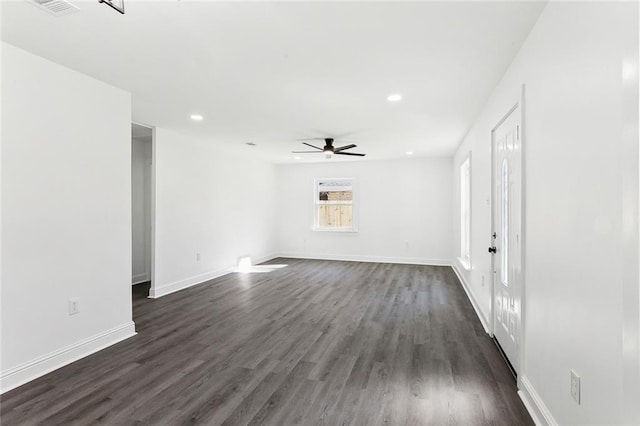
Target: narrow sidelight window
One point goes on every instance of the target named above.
(465, 213)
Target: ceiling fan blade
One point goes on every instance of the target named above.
(350, 153)
(342, 148)
(312, 146)
(304, 152)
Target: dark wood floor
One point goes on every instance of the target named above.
(317, 342)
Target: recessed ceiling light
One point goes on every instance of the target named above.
(297, 158)
(409, 152)
(196, 117)
(394, 98)
(250, 143)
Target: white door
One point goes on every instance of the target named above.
(507, 233)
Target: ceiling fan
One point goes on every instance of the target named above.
(329, 149)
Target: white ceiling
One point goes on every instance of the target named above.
(272, 73)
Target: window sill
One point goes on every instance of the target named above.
(336, 230)
(465, 264)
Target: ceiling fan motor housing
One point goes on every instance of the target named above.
(329, 145)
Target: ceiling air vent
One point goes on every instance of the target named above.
(55, 7)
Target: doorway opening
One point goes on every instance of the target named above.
(141, 209)
(507, 235)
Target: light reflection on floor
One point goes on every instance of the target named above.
(251, 269)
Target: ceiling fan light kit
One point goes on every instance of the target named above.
(329, 150)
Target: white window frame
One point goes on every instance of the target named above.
(464, 173)
(354, 206)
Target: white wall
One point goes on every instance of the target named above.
(575, 269)
(1, 137)
(66, 218)
(404, 211)
(141, 209)
(208, 201)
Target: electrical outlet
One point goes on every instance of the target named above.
(575, 386)
(197, 257)
(74, 306)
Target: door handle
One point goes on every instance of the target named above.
(492, 249)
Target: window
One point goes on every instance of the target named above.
(334, 205)
(504, 183)
(465, 213)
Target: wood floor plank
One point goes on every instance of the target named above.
(281, 400)
(253, 402)
(315, 342)
(325, 401)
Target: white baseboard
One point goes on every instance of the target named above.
(537, 409)
(140, 278)
(375, 259)
(30, 370)
(474, 303)
(156, 292)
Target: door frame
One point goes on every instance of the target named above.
(152, 203)
(520, 288)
